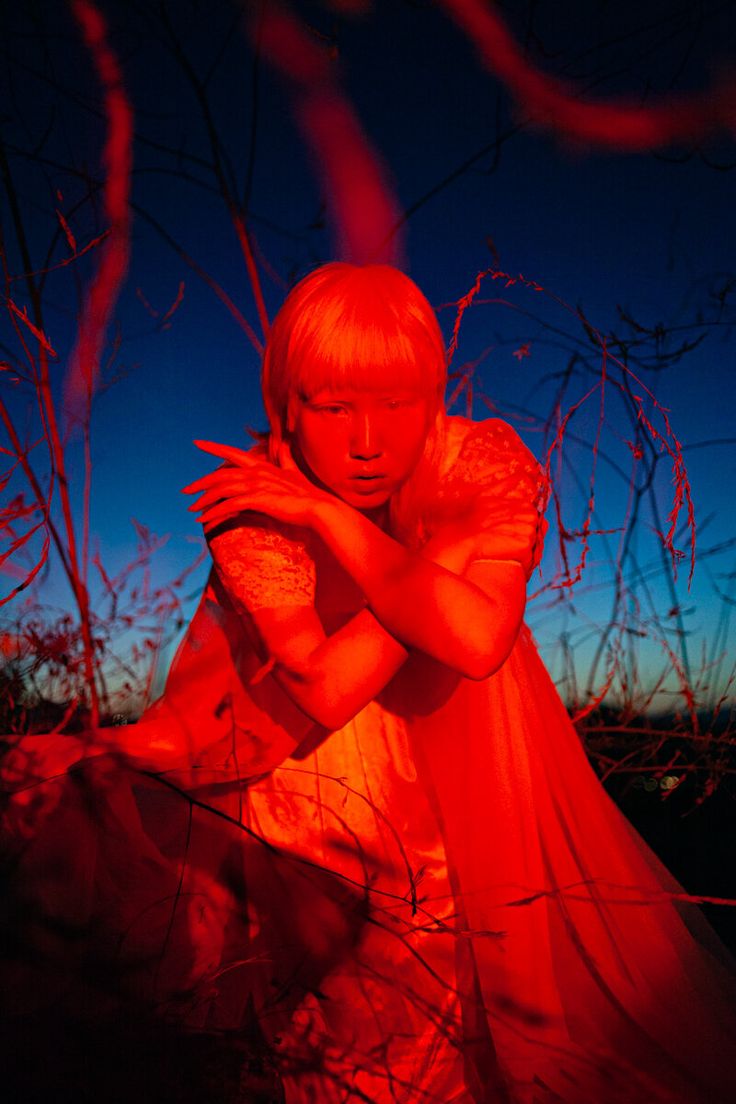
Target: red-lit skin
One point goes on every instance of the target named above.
(416, 603)
(341, 439)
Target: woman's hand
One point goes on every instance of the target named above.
(247, 482)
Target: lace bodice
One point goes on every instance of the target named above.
(487, 467)
(490, 469)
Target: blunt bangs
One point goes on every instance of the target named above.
(370, 353)
(354, 327)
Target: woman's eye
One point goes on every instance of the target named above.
(331, 409)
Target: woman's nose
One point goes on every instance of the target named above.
(364, 442)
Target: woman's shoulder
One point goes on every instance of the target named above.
(478, 451)
(493, 476)
(264, 562)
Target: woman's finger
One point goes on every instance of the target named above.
(223, 477)
(224, 510)
(230, 476)
(223, 493)
(227, 452)
(287, 507)
(236, 481)
(202, 502)
(204, 481)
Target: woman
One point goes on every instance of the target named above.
(373, 835)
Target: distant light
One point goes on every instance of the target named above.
(668, 782)
(651, 783)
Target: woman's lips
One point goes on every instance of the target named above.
(367, 484)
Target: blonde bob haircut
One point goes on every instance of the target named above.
(366, 327)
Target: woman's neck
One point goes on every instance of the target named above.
(380, 516)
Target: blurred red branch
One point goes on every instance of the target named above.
(113, 264)
(555, 104)
(364, 209)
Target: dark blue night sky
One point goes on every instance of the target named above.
(652, 234)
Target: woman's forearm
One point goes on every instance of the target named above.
(344, 672)
(420, 602)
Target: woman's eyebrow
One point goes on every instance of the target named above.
(323, 398)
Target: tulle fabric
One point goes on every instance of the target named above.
(598, 983)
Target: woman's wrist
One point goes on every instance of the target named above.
(329, 517)
(373, 558)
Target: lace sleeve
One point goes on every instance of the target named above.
(263, 564)
(498, 481)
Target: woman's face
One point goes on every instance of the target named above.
(362, 445)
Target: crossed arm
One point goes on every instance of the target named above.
(464, 614)
(460, 601)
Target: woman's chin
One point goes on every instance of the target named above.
(368, 501)
(365, 497)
